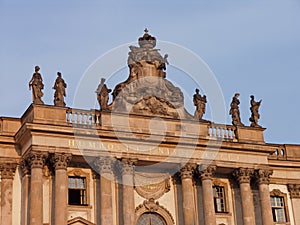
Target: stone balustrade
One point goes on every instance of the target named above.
(219, 131)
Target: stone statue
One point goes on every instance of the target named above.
(60, 91)
(234, 111)
(36, 85)
(254, 112)
(102, 95)
(200, 103)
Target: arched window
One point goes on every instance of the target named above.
(151, 219)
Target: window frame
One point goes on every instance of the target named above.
(218, 183)
(277, 193)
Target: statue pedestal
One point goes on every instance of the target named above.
(250, 134)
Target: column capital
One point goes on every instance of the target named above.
(127, 166)
(61, 160)
(105, 165)
(187, 171)
(25, 168)
(294, 190)
(8, 170)
(263, 176)
(36, 159)
(206, 172)
(243, 175)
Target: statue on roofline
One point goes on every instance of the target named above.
(200, 103)
(234, 110)
(36, 85)
(60, 91)
(102, 95)
(254, 112)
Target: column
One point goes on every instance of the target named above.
(105, 166)
(294, 190)
(128, 191)
(207, 195)
(243, 176)
(36, 160)
(188, 198)
(263, 176)
(60, 163)
(24, 191)
(7, 175)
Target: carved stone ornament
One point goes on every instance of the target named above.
(207, 173)
(243, 175)
(187, 171)
(60, 160)
(36, 159)
(146, 91)
(25, 168)
(294, 190)
(105, 165)
(263, 176)
(8, 170)
(151, 185)
(127, 166)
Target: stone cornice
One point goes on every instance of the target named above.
(243, 175)
(294, 190)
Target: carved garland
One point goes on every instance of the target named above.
(152, 206)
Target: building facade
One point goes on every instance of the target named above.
(142, 159)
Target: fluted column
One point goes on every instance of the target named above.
(105, 166)
(188, 197)
(60, 163)
(294, 190)
(263, 176)
(24, 191)
(128, 191)
(36, 160)
(7, 175)
(243, 176)
(207, 195)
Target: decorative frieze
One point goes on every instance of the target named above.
(294, 190)
(187, 171)
(207, 172)
(8, 170)
(243, 175)
(263, 176)
(61, 160)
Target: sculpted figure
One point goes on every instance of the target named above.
(102, 94)
(234, 111)
(200, 103)
(60, 91)
(254, 112)
(36, 85)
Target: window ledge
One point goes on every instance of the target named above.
(79, 206)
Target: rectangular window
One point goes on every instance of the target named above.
(219, 199)
(77, 190)
(278, 209)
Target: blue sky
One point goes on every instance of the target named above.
(253, 47)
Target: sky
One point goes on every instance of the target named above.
(252, 47)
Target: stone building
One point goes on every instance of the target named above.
(142, 159)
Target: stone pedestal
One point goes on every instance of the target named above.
(263, 176)
(106, 177)
(295, 197)
(207, 195)
(60, 163)
(127, 169)
(7, 175)
(188, 198)
(243, 176)
(36, 161)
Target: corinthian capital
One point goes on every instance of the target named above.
(127, 166)
(8, 170)
(263, 176)
(61, 160)
(105, 165)
(243, 175)
(36, 159)
(207, 172)
(294, 190)
(187, 171)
